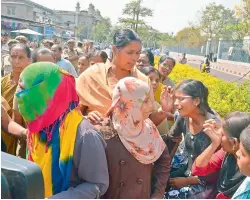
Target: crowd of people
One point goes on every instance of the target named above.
(117, 126)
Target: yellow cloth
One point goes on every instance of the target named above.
(42, 155)
(95, 86)
(158, 92)
(9, 140)
(8, 89)
(163, 127)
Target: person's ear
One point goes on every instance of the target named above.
(197, 101)
(114, 51)
(236, 145)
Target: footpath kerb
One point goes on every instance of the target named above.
(230, 67)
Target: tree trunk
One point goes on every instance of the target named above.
(133, 24)
(137, 16)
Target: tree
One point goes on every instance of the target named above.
(242, 12)
(213, 19)
(190, 37)
(135, 11)
(237, 31)
(102, 30)
(78, 31)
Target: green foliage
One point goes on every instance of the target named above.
(102, 30)
(79, 30)
(213, 18)
(236, 31)
(224, 97)
(190, 37)
(135, 12)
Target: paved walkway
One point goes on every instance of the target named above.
(238, 69)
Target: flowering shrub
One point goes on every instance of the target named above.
(223, 96)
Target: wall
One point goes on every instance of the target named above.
(21, 10)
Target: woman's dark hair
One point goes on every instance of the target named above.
(104, 56)
(245, 139)
(101, 54)
(165, 57)
(12, 42)
(149, 69)
(235, 123)
(196, 89)
(42, 51)
(123, 37)
(79, 44)
(150, 56)
(24, 47)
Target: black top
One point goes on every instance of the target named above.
(230, 177)
(194, 144)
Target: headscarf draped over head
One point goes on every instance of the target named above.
(140, 137)
(48, 103)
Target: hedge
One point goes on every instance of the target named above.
(224, 97)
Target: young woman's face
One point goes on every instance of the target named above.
(243, 160)
(147, 106)
(126, 57)
(83, 64)
(228, 144)
(19, 59)
(185, 104)
(155, 80)
(166, 68)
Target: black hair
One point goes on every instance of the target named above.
(235, 123)
(79, 44)
(165, 57)
(123, 37)
(149, 69)
(59, 47)
(150, 56)
(196, 89)
(102, 54)
(245, 139)
(39, 52)
(51, 43)
(24, 47)
(12, 42)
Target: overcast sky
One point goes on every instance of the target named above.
(169, 15)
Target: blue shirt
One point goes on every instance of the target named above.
(67, 66)
(243, 191)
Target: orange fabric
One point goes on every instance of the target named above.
(95, 86)
(5, 104)
(8, 90)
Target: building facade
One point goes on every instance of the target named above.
(21, 14)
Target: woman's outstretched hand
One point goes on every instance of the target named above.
(95, 117)
(167, 99)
